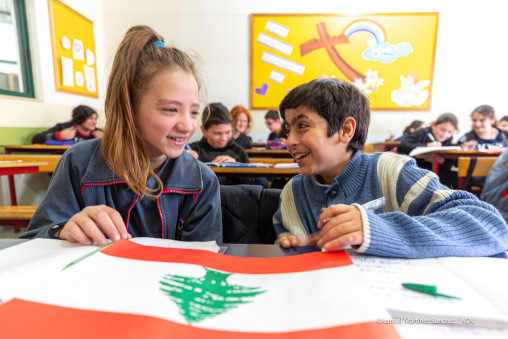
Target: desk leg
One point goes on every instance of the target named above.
(435, 165)
(14, 201)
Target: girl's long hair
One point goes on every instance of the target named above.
(137, 60)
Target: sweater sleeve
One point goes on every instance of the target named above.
(423, 218)
(497, 183)
(49, 134)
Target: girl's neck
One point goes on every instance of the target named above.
(490, 134)
(236, 135)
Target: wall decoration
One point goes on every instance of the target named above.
(73, 50)
(390, 57)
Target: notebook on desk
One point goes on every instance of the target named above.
(422, 150)
(236, 164)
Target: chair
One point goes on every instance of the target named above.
(247, 212)
(473, 167)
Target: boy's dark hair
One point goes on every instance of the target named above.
(216, 114)
(505, 118)
(485, 110)
(272, 114)
(334, 100)
(448, 117)
(81, 113)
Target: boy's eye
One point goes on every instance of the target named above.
(196, 113)
(170, 109)
(302, 125)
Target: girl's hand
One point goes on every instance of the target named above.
(341, 226)
(224, 158)
(95, 224)
(469, 145)
(434, 144)
(289, 241)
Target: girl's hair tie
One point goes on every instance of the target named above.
(159, 44)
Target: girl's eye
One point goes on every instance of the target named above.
(170, 109)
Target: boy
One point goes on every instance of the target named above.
(327, 122)
(217, 144)
(272, 120)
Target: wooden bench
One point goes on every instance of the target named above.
(481, 169)
(17, 216)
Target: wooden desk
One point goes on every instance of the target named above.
(259, 144)
(386, 145)
(11, 167)
(262, 152)
(48, 161)
(35, 148)
(457, 154)
(255, 172)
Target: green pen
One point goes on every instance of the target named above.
(85, 256)
(427, 289)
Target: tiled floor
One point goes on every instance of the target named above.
(7, 232)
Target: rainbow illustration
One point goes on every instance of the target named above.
(366, 26)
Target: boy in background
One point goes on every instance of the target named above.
(272, 120)
(217, 145)
(327, 122)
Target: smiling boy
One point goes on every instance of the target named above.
(327, 122)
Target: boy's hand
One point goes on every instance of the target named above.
(97, 133)
(289, 241)
(94, 224)
(341, 226)
(193, 153)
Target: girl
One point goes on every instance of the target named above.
(241, 126)
(439, 134)
(83, 126)
(485, 134)
(136, 180)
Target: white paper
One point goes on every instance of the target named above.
(275, 44)
(276, 28)
(66, 44)
(386, 275)
(67, 72)
(78, 52)
(422, 150)
(169, 243)
(286, 165)
(277, 76)
(90, 57)
(90, 78)
(80, 79)
(283, 63)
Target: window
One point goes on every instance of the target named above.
(15, 66)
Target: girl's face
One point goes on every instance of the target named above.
(443, 131)
(90, 123)
(167, 113)
(242, 121)
(481, 123)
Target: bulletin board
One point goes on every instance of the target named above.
(73, 46)
(390, 57)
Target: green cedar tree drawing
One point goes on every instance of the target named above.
(205, 297)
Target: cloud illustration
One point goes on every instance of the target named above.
(386, 53)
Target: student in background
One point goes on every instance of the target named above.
(217, 145)
(503, 125)
(421, 217)
(136, 180)
(485, 134)
(83, 126)
(495, 190)
(272, 120)
(241, 126)
(413, 127)
(440, 133)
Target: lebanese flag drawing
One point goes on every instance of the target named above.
(131, 290)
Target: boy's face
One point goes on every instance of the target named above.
(219, 135)
(503, 125)
(273, 124)
(309, 144)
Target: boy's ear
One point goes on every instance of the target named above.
(347, 131)
(203, 129)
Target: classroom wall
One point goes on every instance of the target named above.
(468, 70)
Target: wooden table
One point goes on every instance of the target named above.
(35, 148)
(456, 154)
(261, 152)
(255, 172)
(386, 145)
(11, 168)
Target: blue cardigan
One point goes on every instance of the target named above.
(190, 199)
(422, 218)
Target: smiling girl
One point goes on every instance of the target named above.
(241, 125)
(440, 133)
(485, 134)
(136, 180)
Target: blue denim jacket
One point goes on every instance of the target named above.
(188, 209)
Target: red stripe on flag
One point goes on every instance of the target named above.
(24, 319)
(295, 263)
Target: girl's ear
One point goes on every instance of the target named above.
(347, 131)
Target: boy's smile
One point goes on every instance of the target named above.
(309, 144)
